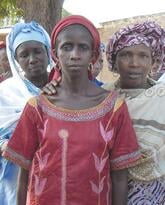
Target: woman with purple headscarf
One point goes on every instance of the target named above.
(131, 53)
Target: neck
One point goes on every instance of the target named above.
(39, 81)
(144, 85)
(75, 84)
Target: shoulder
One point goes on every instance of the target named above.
(162, 78)
(11, 93)
(9, 83)
(109, 86)
(32, 110)
(118, 101)
(33, 102)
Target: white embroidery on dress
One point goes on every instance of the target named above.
(100, 163)
(63, 134)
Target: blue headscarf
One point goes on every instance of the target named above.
(17, 90)
(14, 93)
(23, 32)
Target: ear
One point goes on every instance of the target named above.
(115, 67)
(153, 61)
(55, 55)
(93, 56)
(55, 52)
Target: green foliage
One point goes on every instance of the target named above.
(65, 13)
(9, 13)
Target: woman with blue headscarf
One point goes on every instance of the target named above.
(28, 47)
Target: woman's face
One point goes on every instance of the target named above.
(133, 63)
(33, 58)
(74, 49)
(4, 63)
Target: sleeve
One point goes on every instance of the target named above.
(5, 134)
(125, 150)
(24, 141)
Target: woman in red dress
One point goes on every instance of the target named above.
(74, 147)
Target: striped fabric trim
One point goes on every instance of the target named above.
(16, 158)
(126, 161)
(148, 123)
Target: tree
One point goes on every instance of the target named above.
(45, 12)
(9, 13)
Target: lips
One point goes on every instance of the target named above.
(134, 75)
(35, 68)
(75, 66)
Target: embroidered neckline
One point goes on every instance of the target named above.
(45, 101)
(78, 115)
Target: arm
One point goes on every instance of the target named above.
(22, 186)
(119, 187)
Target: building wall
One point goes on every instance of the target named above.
(108, 28)
(4, 32)
(2, 37)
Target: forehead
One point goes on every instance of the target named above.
(30, 45)
(136, 48)
(75, 32)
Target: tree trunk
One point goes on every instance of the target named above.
(45, 12)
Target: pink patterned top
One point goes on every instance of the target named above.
(70, 152)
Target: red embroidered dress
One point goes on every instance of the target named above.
(69, 153)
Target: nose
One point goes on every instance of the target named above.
(32, 59)
(134, 61)
(75, 54)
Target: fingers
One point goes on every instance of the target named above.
(3, 147)
(59, 79)
(53, 84)
(47, 90)
(50, 88)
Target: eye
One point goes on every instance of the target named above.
(84, 47)
(67, 47)
(125, 54)
(144, 55)
(23, 55)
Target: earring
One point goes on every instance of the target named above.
(90, 67)
(57, 63)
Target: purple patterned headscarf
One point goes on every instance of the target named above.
(148, 33)
(162, 66)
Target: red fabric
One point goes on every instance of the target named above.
(75, 19)
(1, 78)
(54, 74)
(67, 21)
(2, 44)
(72, 152)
